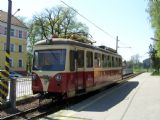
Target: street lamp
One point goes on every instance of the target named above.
(16, 11)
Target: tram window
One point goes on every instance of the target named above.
(113, 63)
(97, 60)
(120, 62)
(49, 60)
(89, 59)
(109, 61)
(104, 60)
(72, 62)
(116, 62)
(80, 60)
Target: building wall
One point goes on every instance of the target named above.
(16, 41)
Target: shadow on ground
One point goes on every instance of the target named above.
(107, 99)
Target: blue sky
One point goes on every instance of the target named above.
(127, 19)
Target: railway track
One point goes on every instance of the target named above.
(32, 113)
(130, 75)
(53, 106)
(46, 109)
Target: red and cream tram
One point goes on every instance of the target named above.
(65, 67)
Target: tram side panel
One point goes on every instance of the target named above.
(73, 78)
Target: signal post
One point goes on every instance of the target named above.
(5, 74)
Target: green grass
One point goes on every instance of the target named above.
(143, 70)
(137, 70)
(156, 73)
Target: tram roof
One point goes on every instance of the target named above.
(63, 41)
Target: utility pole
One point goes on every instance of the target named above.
(9, 27)
(5, 75)
(7, 62)
(117, 44)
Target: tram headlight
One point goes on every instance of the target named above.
(34, 76)
(58, 77)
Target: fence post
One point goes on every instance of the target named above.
(13, 93)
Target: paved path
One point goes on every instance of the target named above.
(138, 99)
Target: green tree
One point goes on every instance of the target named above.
(154, 12)
(155, 59)
(58, 21)
(135, 61)
(154, 51)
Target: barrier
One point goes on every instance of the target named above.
(23, 88)
(4, 86)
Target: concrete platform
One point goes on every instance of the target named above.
(138, 99)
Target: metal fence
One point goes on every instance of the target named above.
(23, 87)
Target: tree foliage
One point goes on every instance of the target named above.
(135, 59)
(154, 12)
(59, 21)
(155, 59)
(154, 51)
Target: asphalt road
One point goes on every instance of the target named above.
(137, 99)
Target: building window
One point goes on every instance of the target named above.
(20, 48)
(20, 34)
(11, 47)
(12, 32)
(20, 63)
(11, 62)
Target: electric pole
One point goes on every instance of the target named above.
(7, 62)
(117, 44)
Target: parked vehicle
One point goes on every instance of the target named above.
(14, 75)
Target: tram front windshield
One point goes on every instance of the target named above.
(49, 60)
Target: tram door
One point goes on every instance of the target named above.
(77, 65)
(80, 71)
